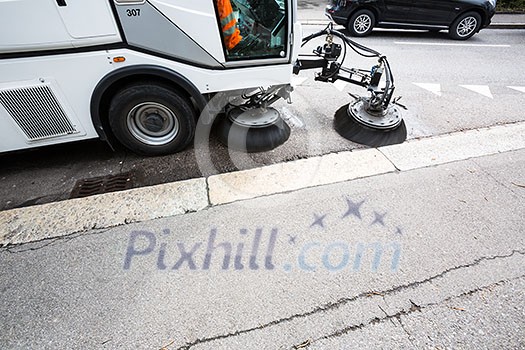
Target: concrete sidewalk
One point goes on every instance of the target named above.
(508, 21)
(418, 245)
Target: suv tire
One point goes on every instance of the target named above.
(361, 23)
(465, 26)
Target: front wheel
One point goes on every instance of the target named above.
(361, 23)
(152, 119)
(465, 26)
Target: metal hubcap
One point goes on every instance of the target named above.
(254, 118)
(152, 123)
(385, 120)
(467, 26)
(362, 24)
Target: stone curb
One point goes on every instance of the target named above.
(59, 219)
(292, 176)
(507, 26)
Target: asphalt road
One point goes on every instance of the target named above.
(430, 258)
(446, 85)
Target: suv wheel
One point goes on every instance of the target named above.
(361, 23)
(465, 26)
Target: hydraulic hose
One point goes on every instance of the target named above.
(362, 51)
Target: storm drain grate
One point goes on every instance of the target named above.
(102, 184)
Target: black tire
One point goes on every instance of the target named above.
(465, 26)
(361, 23)
(151, 119)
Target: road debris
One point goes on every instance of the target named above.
(303, 345)
(457, 308)
(165, 347)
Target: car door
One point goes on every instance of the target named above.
(433, 12)
(395, 10)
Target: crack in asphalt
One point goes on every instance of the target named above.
(411, 310)
(506, 186)
(389, 160)
(409, 336)
(343, 301)
(208, 198)
(47, 242)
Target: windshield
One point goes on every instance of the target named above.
(253, 29)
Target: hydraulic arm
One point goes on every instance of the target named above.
(374, 120)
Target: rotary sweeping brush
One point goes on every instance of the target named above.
(374, 120)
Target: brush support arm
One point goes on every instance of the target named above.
(330, 57)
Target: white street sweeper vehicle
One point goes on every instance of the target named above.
(141, 72)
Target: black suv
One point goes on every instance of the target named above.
(462, 18)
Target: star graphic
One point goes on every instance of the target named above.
(318, 220)
(291, 239)
(399, 231)
(379, 219)
(353, 208)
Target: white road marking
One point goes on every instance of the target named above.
(340, 85)
(517, 88)
(433, 88)
(480, 89)
(447, 44)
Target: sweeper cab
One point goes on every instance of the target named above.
(141, 72)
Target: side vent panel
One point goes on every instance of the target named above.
(36, 110)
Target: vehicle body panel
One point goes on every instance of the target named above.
(65, 49)
(417, 14)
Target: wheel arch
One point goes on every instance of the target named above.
(115, 80)
(480, 12)
(372, 9)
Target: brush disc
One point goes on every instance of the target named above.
(253, 130)
(356, 127)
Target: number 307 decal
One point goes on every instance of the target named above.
(133, 12)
